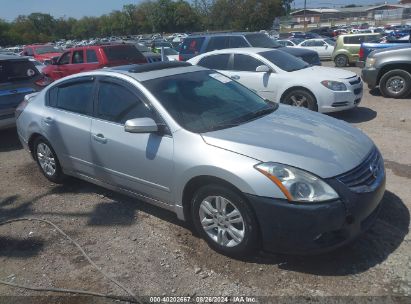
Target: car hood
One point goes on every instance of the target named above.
(45, 56)
(311, 141)
(325, 73)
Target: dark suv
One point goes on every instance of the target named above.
(18, 77)
(199, 44)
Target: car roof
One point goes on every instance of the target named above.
(247, 50)
(12, 57)
(154, 70)
(360, 34)
(222, 34)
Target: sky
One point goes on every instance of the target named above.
(10, 9)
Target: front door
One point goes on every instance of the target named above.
(243, 70)
(138, 162)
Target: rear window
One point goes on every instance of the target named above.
(261, 40)
(192, 45)
(128, 53)
(47, 49)
(16, 70)
(284, 61)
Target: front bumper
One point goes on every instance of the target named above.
(369, 76)
(334, 101)
(303, 228)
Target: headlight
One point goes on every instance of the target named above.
(297, 185)
(369, 63)
(334, 85)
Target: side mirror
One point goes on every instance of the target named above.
(140, 125)
(263, 69)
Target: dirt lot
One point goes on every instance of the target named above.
(153, 253)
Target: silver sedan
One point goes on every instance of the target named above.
(248, 173)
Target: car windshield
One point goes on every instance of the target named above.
(262, 40)
(142, 48)
(284, 61)
(206, 101)
(47, 49)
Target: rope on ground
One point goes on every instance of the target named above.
(133, 299)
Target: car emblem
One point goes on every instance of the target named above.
(30, 72)
(374, 170)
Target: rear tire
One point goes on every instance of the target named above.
(301, 98)
(225, 221)
(341, 61)
(47, 160)
(395, 84)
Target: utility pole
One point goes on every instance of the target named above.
(305, 12)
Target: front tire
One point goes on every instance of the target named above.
(47, 160)
(225, 221)
(395, 84)
(301, 98)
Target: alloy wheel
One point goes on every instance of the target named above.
(395, 84)
(46, 159)
(222, 221)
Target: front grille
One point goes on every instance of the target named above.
(365, 174)
(355, 81)
(357, 91)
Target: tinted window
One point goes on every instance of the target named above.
(74, 97)
(118, 104)
(354, 39)
(284, 61)
(65, 58)
(318, 43)
(238, 42)
(78, 57)
(245, 63)
(46, 49)
(192, 45)
(261, 40)
(215, 62)
(126, 52)
(16, 70)
(217, 43)
(204, 101)
(91, 56)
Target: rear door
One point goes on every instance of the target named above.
(92, 61)
(138, 162)
(67, 121)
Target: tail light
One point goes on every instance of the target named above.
(43, 81)
(22, 105)
(361, 54)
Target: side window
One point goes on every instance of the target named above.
(217, 43)
(215, 62)
(29, 52)
(75, 97)
(319, 43)
(289, 43)
(91, 56)
(304, 43)
(65, 58)
(78, 57)
(118, 104)
(238, 42)
(245, 63)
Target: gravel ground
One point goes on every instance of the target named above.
(153, 253)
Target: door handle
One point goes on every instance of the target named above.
(48, 120)
(235, 77)
(100, 138)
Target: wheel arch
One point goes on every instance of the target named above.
(33, 137)
(196, 183)
(298, 87)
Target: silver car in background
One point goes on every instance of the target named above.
(248, 173)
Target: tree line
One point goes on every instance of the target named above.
(150, 16)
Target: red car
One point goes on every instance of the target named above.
(87, 58)
(41, 52)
